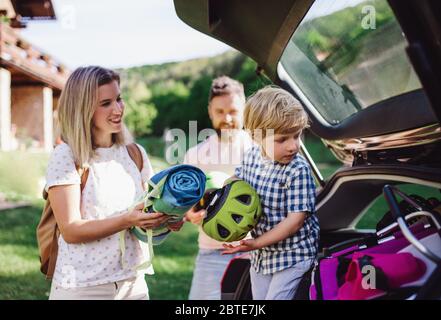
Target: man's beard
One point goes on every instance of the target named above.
(228, 129)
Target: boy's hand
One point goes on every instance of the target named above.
(244, 246)
(195, 217)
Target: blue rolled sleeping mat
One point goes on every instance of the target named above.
(172, 191)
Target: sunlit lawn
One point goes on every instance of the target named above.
(20, 277)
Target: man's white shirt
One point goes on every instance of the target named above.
(215, 154)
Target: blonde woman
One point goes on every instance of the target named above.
(90, 264)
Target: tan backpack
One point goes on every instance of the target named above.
(47, 229)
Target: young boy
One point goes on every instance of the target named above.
(285, 240)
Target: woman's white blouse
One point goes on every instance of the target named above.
(113, 184)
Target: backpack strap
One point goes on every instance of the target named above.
(48, 268)
(136, 155)
(84, 175)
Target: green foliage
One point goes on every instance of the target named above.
(170, 95)
(198, 103)
(171, 101)
(139, 116)
(250, 79)
(317, 40)
(340, 35)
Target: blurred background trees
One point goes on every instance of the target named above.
(169, 95)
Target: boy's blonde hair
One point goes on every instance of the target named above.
(272, 108)
(76, 108)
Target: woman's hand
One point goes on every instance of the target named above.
(244, 246)
(175, 226)
(195, 217)
(138, 218)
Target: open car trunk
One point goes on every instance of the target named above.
(286, 40)
(369, 75)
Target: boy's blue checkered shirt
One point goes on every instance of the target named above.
(283, 189)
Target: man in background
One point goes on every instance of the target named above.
(222, 152)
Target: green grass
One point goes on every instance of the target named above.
(173, 263)
(158, 164)
(156, 146)
(20, 173)
(174, 258)
(153, 145)
(379, 207)
(20, 277)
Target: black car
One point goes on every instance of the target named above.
(369, 75)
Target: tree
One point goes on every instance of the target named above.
(139, 116)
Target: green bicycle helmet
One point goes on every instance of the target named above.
(232, 212)
(215, 181)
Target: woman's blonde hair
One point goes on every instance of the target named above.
(272, 108)
(76, 108)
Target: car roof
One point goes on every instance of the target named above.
(262, 29)
(227, 22)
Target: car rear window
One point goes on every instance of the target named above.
(348, 55)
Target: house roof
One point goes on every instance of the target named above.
(34, 9)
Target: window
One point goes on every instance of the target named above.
(379, 207)
(348, 55)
